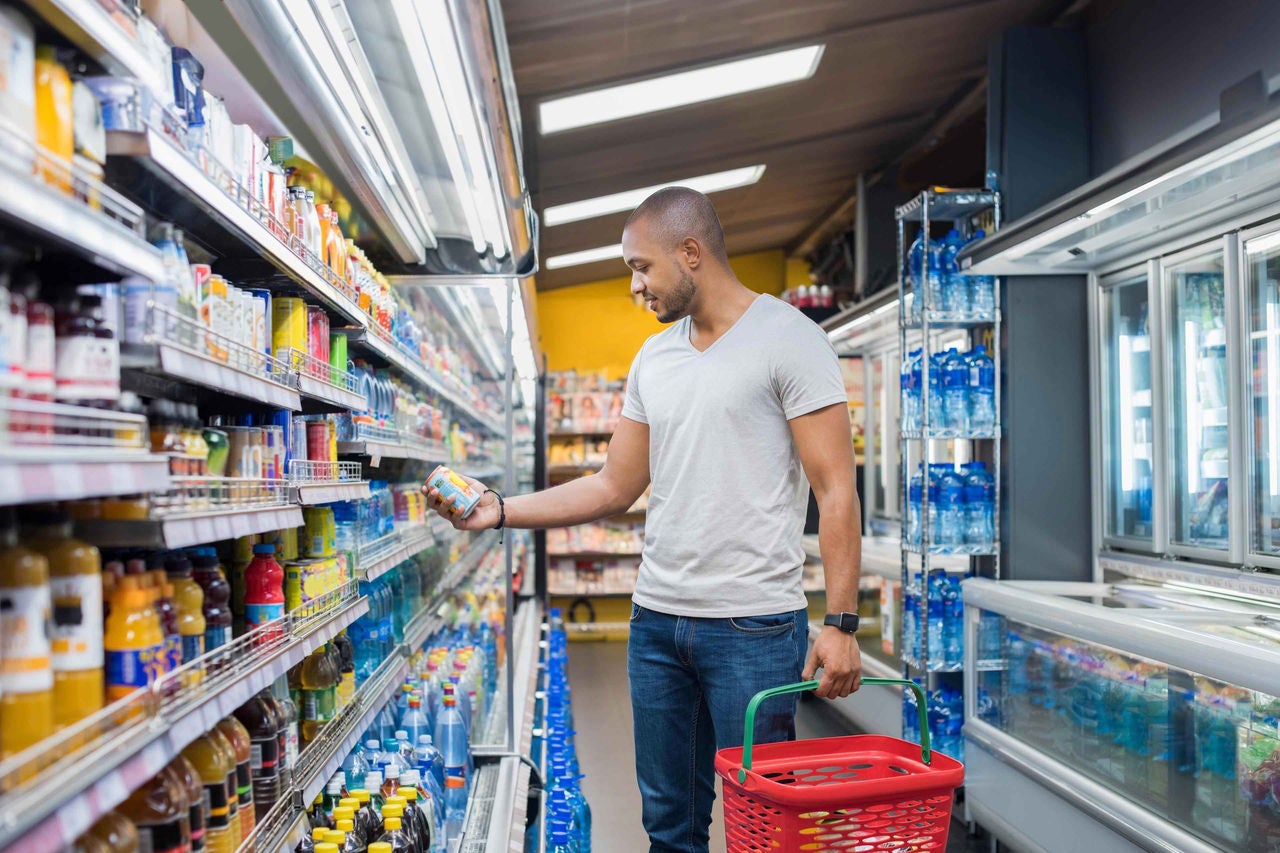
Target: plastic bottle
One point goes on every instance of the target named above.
(287, 717)
(210, 762)
(951, 522)
(197, 820)
(982, 288)
(417, 818)
(259, 719)
(264, 589)
(55, 126)
(238, 736)
(206, 572)
(313, 225)
(160, 811)
(234, 825)
(455, 808)
(955, 288)
(133, 640)
(431, 768)
(414, 723)
(355, 768)
(955, 392)
(347, 669)
(369, 819)
(935, 608)
(319, 693)
(395, 836)
(171, 654)
(188, 601)
(75, 583)
(118, 834)
(26, 668)
(979, 502)
(981, 386)
(937, 415)
(451, 736)
(953, 624)
(404, 745)
(914, 489)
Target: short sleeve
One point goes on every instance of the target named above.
(806, 370)
(633, 408)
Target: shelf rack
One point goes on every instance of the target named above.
(403, 544)
(57, 789)
(923, 323)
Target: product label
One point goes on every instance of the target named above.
(77, 622)
(196, 819)
(25, 655)
(215, 638)
(192, 647)
(130, 669)
(291, 745)
(319, 706)
(87, 368)
(174, 837)
(257, 615)
(244, 783)
(265, 756)
(41, 350)
(172, 653)
(233, 797)
(219, 807)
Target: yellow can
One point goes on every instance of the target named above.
(288, 326)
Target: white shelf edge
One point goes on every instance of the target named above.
(77, 474)
(311, 494)
(192, 530)
(183, 365)
(318, 389)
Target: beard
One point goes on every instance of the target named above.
(677, 304)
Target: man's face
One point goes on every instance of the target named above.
(658, 273)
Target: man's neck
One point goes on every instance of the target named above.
(720, 306)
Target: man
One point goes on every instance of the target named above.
(733, 411)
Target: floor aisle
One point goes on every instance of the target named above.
(602, 713)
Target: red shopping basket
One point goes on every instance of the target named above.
(857, 793)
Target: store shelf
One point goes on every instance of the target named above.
(176, 362)
(949, 550)
(31, 475)
(407, 447)
(951, 320)
(181, 531)
(941, 434)
(947, 205)
(161, 159)
(313, 494)
(127, 744)
(333, 395)
(89, 26)
(405, 544)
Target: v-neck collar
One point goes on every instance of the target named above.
(688, 328)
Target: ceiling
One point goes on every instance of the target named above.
(887, 70)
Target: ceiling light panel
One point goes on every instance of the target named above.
(679, 89)
(587, 256)
(576, 211)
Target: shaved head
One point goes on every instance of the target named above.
(675, 214)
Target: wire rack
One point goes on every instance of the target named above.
(374, 551)
(35, 423)
(373, 432)
(166, 326)
(308, 472)
(306, 364)
(199, 495)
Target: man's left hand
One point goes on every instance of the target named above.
(837, 654)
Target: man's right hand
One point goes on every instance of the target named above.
(484, 517)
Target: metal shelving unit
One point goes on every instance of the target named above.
(57, 789)
(923, 322)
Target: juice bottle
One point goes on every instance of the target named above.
(209, 760)
(133, 640)
(55, 130)
(116, 832)
(238, 736)
(160, 811)
(217, 614)
(197, 819)
(263, 589)
(26, 671)
(242, 558)
(259, 718)
(319, 692)
(324, 217)
(346, 654)
(75, 580)
(233, 795)
(288, 717)
(188, 600)
(172, 653)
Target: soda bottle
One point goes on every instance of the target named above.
(395, 837)
(206, 572)
(416, 819)
(188, 600)
(209, 760)
(263, 590)
(133, 640)
(431, 763)
(369, 820)
(238, 736)
(196, 817)
(161, 812)
(259, 719)
(75, 584)
(26, 670)
(352, 842)
(320, 816)
(118, 833)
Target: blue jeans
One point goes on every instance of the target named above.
(691, 680)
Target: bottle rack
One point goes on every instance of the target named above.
(920, 321)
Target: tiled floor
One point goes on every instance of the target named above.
(602, 712)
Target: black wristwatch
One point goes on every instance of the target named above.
(847, 622)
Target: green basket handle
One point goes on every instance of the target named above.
(926, 753)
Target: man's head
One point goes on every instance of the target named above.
(672, 242)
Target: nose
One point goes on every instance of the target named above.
(636, 287)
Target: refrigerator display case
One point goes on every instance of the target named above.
(1262, 271)
(1145, 716)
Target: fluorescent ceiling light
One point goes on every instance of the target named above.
(576, 211)
(586, 256)
(679, 89)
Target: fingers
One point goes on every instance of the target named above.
(810, 665)
(826, 686)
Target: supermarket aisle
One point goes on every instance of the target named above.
(602, 712)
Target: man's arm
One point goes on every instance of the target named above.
(619, 484)
(826, 451)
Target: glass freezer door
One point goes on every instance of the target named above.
(1130, 435)
(1201, 453)
(1263, 272)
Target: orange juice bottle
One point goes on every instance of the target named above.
(325, 217)
(238, 736)
(75, 579)
(188, 599)
(133, 640)
(210, 761)
(26, 672)
(55, 133)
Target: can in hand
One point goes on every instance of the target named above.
(450, 485)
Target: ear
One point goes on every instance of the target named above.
(691, 253)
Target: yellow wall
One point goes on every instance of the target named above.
(598, 326)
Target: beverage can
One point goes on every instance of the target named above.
(449, 484)
(288, 326)
(320, 532)
(274, 453)
(318, 341)
(298, 438)
(318, 441)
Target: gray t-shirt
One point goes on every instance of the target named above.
(726, 514)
